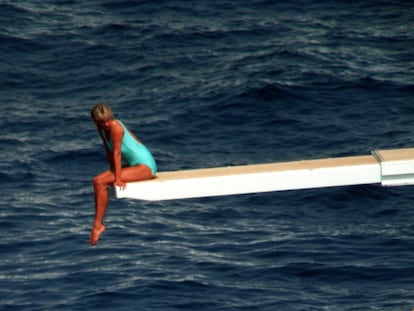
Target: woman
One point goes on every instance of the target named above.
(120, 145)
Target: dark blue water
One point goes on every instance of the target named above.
(204, 84)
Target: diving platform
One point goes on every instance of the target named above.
(386, 167)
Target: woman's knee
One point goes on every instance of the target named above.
(99, 181)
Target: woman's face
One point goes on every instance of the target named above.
(104, 123)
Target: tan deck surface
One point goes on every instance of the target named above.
(395, 154)
(270, 167)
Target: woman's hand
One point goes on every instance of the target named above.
(120, 184)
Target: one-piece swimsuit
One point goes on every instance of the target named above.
(133, 152)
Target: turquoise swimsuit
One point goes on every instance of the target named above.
(133, 152)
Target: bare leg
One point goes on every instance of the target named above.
(101, 184)
(101, 189)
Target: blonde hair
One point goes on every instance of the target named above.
(101, 111)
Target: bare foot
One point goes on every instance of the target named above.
(96, 233)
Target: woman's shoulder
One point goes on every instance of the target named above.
(117, 126)
(119, 122)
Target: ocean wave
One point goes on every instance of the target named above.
(204, 84)
(17, 172)
(70, 155)
(269, 92)
(10, 10)
(12, 44)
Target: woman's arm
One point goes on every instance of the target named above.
(107, 152)
(117, 133)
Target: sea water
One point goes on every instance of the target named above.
(204, 84)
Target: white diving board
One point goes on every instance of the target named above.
(386, 167)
